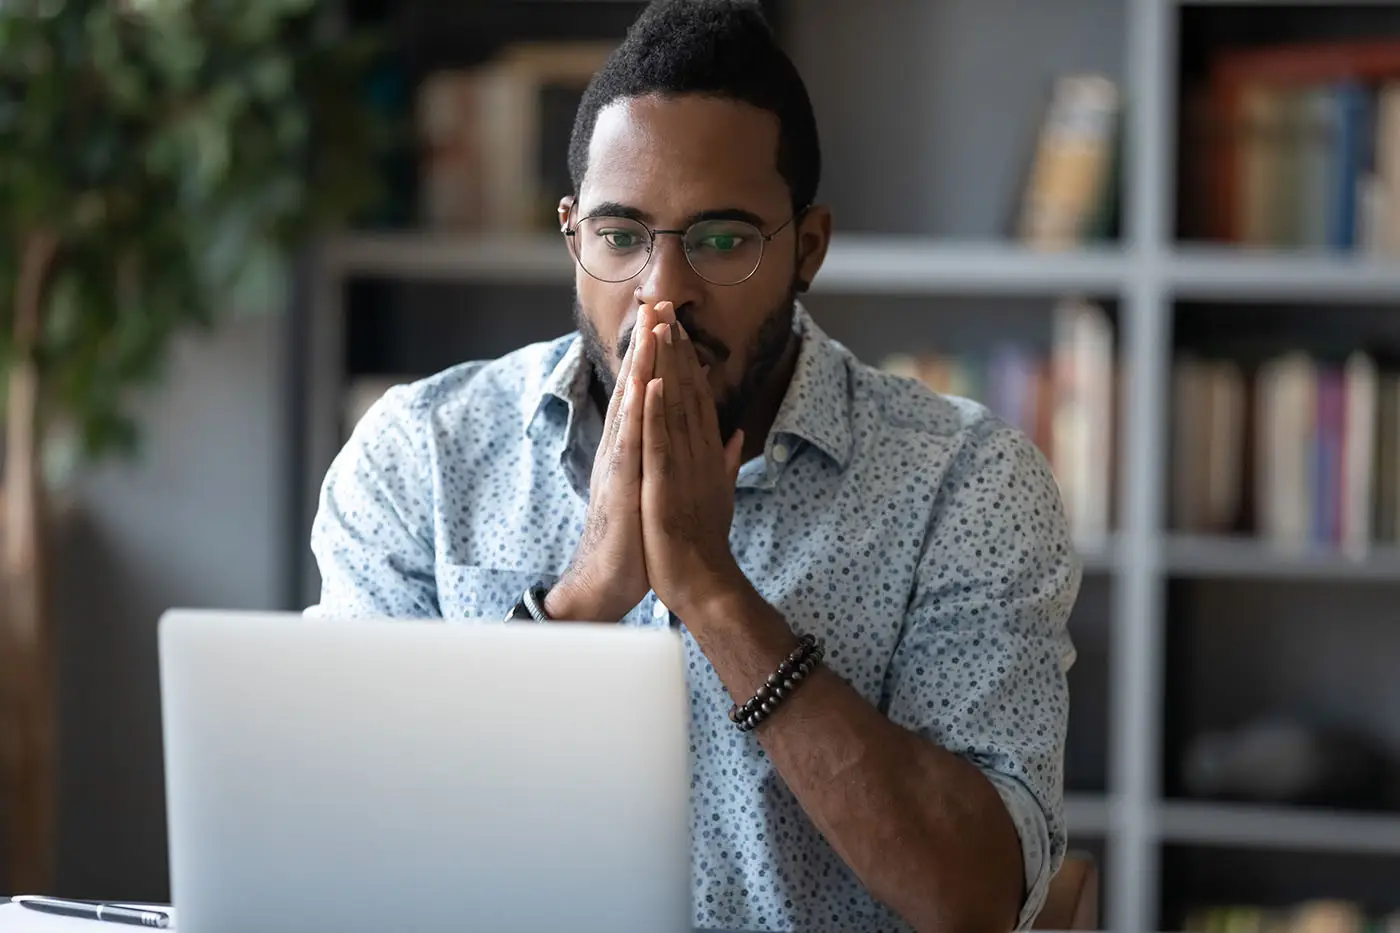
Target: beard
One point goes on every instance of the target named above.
(765, 351)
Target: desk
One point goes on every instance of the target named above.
(5, 926)
(8, 923)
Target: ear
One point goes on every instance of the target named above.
(566, 205)
(813, 238)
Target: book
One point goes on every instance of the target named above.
(1387, 175)
(1082, 441)
(1208, 429)
(1069, 194)
(1359, 430)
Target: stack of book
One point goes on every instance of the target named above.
(1062, 398)
(1297, 146)
(1302, 450)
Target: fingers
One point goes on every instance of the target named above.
(669, 369)
(657, 461)
(700, 402)
(610, 423)
(734, 456)
(626, 458)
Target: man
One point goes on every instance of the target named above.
(700, 454)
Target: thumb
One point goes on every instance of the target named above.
(734, 455)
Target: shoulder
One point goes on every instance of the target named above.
(898, 411)
(473, 398)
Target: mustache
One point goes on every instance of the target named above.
(698, 335)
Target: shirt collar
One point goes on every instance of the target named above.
(566, 381)
(816, 407)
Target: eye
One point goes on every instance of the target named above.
(621, 239)
(722, 237)
(722, 242)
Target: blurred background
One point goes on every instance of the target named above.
(1160, 236)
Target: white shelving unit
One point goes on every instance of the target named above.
(1291, 828)
(1146, 276)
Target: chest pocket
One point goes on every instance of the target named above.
(471, 592)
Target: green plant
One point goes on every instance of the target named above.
(159, 160)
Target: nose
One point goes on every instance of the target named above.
(668, 275)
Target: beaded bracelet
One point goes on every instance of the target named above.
(780, 684)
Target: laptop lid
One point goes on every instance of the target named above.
(377, 775)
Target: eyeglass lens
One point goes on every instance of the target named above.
(615, 249)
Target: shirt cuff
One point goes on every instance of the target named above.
(1031, 826)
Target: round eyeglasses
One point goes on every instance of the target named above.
(722, 252)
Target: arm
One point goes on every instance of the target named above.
(942, 803)
(922, 828)
(373, 532)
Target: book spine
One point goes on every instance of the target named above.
(1348, 162)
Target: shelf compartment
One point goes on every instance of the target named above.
(1200, 878)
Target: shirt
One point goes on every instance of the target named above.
(922, 539)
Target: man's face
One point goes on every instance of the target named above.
(668, 162)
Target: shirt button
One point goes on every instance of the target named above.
(780, 453)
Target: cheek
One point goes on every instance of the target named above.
(738, 320)
(607, 306)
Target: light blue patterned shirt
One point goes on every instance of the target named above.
(920, 537)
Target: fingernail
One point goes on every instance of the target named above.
(666, 334)
(684, 335)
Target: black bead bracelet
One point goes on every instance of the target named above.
(780, 684)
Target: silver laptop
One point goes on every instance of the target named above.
(364, 776)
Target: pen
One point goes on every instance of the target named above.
(131, 915)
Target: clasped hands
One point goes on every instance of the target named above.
(661, 496)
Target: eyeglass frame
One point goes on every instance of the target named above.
(571, 230)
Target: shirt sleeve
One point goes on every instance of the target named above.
(981, 664)
(373, 532)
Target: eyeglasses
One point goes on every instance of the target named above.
(722, 252)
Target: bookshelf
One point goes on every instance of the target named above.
(922, 253)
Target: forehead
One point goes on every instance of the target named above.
(674, 155)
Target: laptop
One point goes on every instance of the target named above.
(372, 775)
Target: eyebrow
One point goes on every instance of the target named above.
(618, 209)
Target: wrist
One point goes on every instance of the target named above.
(569, 601)
(731, 598)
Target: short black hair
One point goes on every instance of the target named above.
(715, 48)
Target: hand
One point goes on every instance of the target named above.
(688, 477)
(608, 576)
